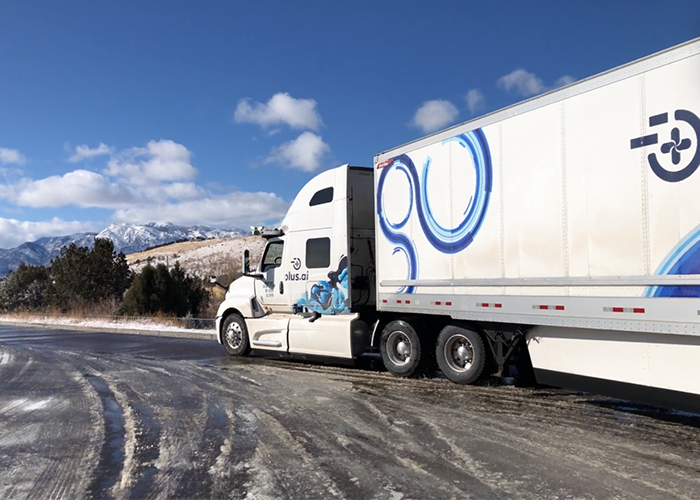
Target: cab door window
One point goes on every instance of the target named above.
(273, 256)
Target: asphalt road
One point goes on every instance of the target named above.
(97, 415)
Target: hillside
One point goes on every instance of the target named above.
(220, 257)
(126, 238)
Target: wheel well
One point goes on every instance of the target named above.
(422, 324)
(226, 314)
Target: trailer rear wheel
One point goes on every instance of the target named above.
(234, 334)
(460, 354)
(401, 350)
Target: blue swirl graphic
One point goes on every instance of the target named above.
(409, 169)
(390, 230)
(452, 240)
(445, 240)
(683, 259)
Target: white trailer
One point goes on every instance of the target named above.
(561, 233)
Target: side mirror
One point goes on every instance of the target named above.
(214, 281)
(246, 261)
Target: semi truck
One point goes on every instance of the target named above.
(558, 237)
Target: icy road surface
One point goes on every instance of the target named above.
(96, 415)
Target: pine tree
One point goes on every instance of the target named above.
(157, 290)
(25, 289)
(80, 276)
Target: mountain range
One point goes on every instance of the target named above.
(127, 238)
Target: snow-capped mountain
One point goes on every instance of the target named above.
(127, 238)
(130, 238)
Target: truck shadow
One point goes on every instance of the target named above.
(370, 363)
(622, 407)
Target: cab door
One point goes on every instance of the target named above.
(270, 332)
(272, 288)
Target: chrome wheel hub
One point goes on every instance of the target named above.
(234, 335)
(398, 348)
(459, 353)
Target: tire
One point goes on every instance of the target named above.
(401, 349)
(460, 354)
(234, 335)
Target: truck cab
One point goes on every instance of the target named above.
(315, 277)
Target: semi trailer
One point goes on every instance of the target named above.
(558, 237)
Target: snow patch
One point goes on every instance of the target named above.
(12, 405)
(144, 325)
(38, 405)
(24, 405)
(6, 358)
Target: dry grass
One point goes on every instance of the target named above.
(220, 257)
(173, 248)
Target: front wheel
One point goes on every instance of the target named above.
(234, 335)
(460, 354)
(401, 350)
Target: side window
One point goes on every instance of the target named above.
(318, 253)
(321, 197)
(273, 256)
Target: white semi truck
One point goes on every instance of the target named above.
(561, 233)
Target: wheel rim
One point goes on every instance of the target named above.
(398, 348)
(234, 335)
(459, 353)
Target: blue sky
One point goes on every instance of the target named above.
(217, 112)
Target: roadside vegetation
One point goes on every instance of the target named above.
(84, 282)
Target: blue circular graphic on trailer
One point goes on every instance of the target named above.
(448, 240)
(452, 240)
(683, 259)
(392, 231)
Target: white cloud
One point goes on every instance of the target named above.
(150, 184)
(305, 153)
(522, 82)
(14, 232)
(182, 190)
(564, 81)
(237, 209)
(161, 161)
(83, 152)
(528, 84)
(280, 109)
(475, 100)
(434, 115)
(8, 156)
(79, 187)
(147, 176)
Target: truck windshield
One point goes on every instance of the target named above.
(273, 255)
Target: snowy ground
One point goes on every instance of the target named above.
(98, 415)
(141, 324)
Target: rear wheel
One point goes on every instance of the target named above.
(402, 352)
(234, 335)
(460, 354)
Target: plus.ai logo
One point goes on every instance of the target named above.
(676, 149)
